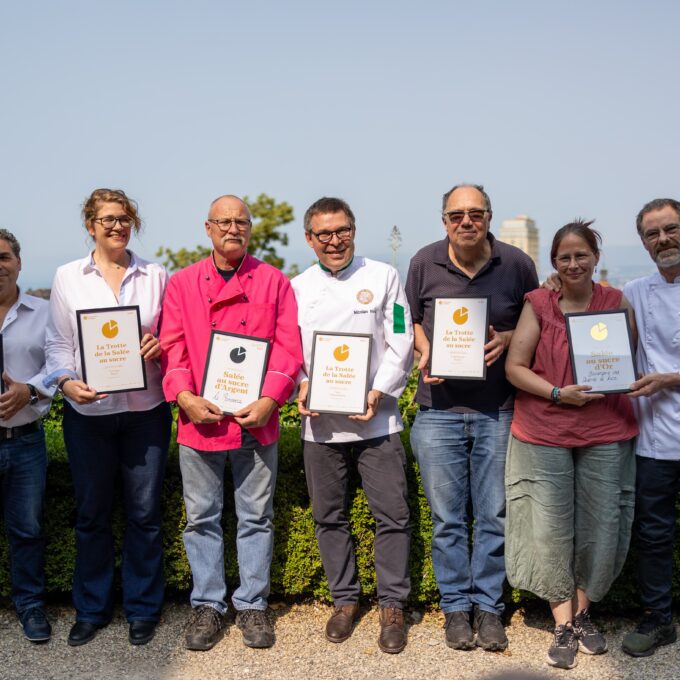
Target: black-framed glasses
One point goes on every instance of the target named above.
(343, 234)
(225, 225)
(671, 231)
(476, 215)
(109, 221)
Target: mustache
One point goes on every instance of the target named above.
(231, 237)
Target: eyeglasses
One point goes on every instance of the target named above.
(652, 236)
(109, 221)
(457, 216)
(343, 234)
(581, 260)
(225, 225)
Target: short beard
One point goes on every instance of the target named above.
(669, 263)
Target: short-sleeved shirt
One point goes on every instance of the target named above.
(540, 421)
(506, 278)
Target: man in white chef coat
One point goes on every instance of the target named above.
(344, 292)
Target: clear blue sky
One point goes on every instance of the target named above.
(561, 109)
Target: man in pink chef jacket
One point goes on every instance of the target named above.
(231, 291)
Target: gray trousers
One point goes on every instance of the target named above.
(381, 463)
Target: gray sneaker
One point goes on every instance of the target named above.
(458, 631)
(204, 629)
(651, 632)
(256, 627)
(590, 640)
(562, 652)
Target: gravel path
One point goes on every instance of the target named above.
(302, 652)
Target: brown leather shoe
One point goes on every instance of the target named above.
(392, 630)
(339, 626)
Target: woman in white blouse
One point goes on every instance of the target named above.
(123, 434)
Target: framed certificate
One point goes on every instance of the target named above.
(110, 338)
(459, 333)
(234, 370)
(601, 350)
(338, 378)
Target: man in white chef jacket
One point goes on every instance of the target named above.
(346, 293)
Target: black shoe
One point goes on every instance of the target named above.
(458, 631)
(590, 640)
(490, 632)
(35, 624)
(204, 629)
(82, 632)
(141, 632)
(256, 627)
(562, 652)
(653, 631)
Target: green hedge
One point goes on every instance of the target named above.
(296, 568)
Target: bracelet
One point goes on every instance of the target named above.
(555, 395)
(61, 383)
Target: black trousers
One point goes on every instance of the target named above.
(657, 487)
(381, 463)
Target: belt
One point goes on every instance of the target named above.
(19, 431)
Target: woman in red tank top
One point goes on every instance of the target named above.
(570, 471)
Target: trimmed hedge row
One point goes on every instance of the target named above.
(296, 568)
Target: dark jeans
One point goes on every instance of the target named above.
(23, 470)
(133, 444)
(657, 487)
(381, 462)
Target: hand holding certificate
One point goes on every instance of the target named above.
(110, 341)
(234, 370)
(459, 333)
(339, 373)
(601, 350)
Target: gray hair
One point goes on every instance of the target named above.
(12, 240)
(327, 205)
(479, 188)
(656, 204)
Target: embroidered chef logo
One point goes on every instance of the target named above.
(238, 355)
(460, 316)
(341, 353)
(364, 296)
(110, 329)
(599, 332)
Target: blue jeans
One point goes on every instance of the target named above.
(23, 471)
(461, 458)
(254, 475)
(134, 445)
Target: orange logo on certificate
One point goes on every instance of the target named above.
(341, 353)
(110, 329)
(599, 332)
(460, 316)
(364, 296)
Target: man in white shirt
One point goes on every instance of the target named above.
(351, 294)
(23, 456)
(656, 301)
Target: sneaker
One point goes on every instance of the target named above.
(256, 627)
(562, 652)
(457, 630)
(35, 624)
(590, 640)
(651, 632)
(205, 628)
(490, 632)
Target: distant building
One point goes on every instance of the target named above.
(604, 277)
(521, 232)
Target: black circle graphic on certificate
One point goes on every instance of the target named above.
(238, 355)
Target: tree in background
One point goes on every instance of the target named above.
(268, 218)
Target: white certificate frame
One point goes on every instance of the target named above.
(234, 370)
(462, 363)
(593, 359)
(125, 371)
(326, 396)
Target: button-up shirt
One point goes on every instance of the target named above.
(257, 301)
(80, 285)
(365, 297)
(657, 314)
(23, 347)
(506, 278)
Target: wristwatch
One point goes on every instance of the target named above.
(35, 397)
